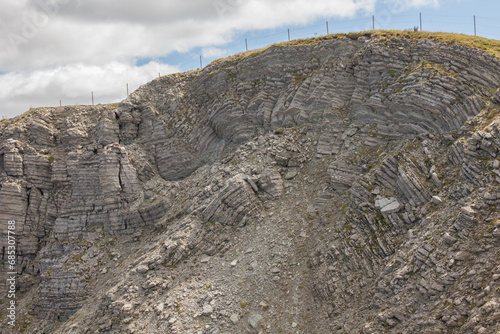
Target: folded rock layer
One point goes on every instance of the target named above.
(346, 184)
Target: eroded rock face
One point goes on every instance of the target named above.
(350, 185)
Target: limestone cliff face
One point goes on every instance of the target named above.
(342, 185)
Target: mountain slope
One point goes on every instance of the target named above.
(342, 184)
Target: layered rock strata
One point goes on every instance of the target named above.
(339, 185)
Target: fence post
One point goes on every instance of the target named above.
(373, 22)
(327, 32)
(420, 21)
(201, 64)
(246, 44)
(289, 35)
(127, 90)
(92, 98)
(475, 25)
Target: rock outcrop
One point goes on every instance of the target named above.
(342, 184)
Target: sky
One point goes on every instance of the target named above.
(57, 52)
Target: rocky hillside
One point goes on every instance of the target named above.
(346, 184)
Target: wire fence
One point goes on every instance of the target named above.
(488, 27)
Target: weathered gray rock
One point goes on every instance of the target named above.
(234, 318)
(343, 175)
(270, 183)
(437, 200)
(233, 205)
(142, 269)
(448, 239)
(387, 205)
(275, 270)
(207, 310)
(254, 320)
(187, 173)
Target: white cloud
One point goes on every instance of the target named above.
(211, 53)
(74, 83)
(92, 31)
(55, 49)
(401, 5)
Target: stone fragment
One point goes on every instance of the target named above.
(234, 318)
(343, 174)
(435, 180)
(252, 184)
(448, 239)
(481, 330)
(271, 183)
(467, 210)
(142, 269)
(387, 205)
(128, 307)
(254, 320)
(275, 270)
(349, 132)
(290, 175)
(233, 204)
(496, 97)
(254, 265)
(160, 307)
(437, 200)
(207, 310)
(13, 163)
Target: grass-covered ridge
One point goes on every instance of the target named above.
(490, 46)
